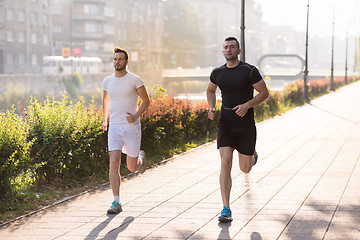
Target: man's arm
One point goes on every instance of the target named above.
(263, 94)
(211, 99)
(145, 102)
(106, 110)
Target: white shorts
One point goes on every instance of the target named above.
(125, 137)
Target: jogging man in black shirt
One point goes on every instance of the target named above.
(236, 128)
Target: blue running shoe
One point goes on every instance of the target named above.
(256, 156)
(225, 215)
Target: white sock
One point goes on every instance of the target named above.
(117, 199)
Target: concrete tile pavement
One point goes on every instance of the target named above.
(305, 186)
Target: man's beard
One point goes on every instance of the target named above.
(119, 68)
(231, 58)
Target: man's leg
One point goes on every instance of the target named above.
(225, 182)
(114, 172)
(133, 163)
(115, 180)
(246, 162)
(226, 154)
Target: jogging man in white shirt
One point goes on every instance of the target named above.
(120, 99)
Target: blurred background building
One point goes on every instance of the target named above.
(159, 34)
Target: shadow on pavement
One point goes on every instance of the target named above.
(318, 222)
(255, 236)
(95, 232)
(224, 233)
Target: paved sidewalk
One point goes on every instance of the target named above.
(306, 185)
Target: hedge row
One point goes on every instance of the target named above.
(62, 140)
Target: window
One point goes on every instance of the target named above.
(134, 17)
(124, 16)
(34, 38)
(119, 16)
(9, 14)
(45, 19)
(91, 28)
(109, 12)
(10, 58)
(34, 59)
(21, 37)
(21, 16)
(10, 36)
(45, 3)
(109, 29)
(56, 9)
(57, 28)
(33, 18)
(21, 58)
(91, 9)
(45, 39)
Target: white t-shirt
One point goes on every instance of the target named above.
(123, 95)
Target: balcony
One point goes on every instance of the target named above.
(85, 17)
(89, 36)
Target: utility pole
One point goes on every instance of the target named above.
(346, 57)
(356, 55)
(242, 41)
(332, 88)
(306, 89)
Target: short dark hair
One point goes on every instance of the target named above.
(232, 39)
(116, 50)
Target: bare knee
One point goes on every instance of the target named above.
(115, 161)
(226, 163)
(226, 159)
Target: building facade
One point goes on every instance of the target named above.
(25, 33)
(94, 28)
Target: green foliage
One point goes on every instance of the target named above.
(68, 142)
(14, 154)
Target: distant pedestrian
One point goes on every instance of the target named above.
(236, 128)
(120, 99)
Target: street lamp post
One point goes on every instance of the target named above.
(332, 88)
(346, 57)
(242, 27)
(306, 90)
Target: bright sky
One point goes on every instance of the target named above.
(293, 13)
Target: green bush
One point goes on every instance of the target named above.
(68, 141)
(14, 151)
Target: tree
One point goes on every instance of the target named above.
(182, 35)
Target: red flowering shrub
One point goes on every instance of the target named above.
(171, 122)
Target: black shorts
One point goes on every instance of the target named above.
(240, 135)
